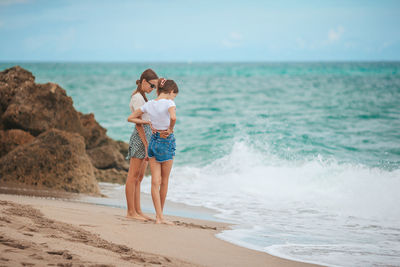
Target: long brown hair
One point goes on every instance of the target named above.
(147, 75)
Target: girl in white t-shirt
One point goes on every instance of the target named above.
(138, 143)
(161, 149)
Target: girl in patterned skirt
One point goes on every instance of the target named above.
(138, 143)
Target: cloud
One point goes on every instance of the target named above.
(236, 36)
(233, 40)
(335, 34)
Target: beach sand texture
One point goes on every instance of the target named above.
(47, 231)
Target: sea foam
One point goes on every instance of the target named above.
(315, 211)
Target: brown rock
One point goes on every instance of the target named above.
(55, 159)
(39, 107)
(104, 152)
(108, 156)
(111, 175)
(15, 76)
(10, 80)
(94, 134)
(10, 139)
(123, 147)
(7, 92)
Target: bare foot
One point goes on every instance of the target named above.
(167, 222)
(136, 217)
(146, 217)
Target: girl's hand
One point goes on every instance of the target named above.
(152, 129)
(166, 133)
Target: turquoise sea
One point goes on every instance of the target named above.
(303, 157)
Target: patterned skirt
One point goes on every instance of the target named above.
(136, 146)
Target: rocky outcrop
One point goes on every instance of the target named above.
(10, 139)
(28, 110)
(39, 107)
(55, 159)
(123, 147)
(104, 152)
(94, 134)
(110, 175)
(10, 80)
(107, 156)
(15, 76)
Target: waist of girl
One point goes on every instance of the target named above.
(157, 133)
(159, 130)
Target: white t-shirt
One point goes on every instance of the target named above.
(158, 111)
(136, 102)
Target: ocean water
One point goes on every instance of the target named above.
(303, 157)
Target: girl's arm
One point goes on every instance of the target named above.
(142, 135)
(172, 115)
(135, 117)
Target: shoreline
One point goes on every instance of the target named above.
(171, 208)
(191, 241)
(114, 199)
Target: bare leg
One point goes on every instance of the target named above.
(165, 171)
(130, 188)
(137, 191)
(155, 188)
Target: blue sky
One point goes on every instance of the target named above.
(157, 30)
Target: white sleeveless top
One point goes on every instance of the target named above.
(136, 102)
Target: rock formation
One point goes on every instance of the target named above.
(30, 114)
(55, 159)
(10, 139)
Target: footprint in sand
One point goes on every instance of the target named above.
(27, 264)
(88, 225)
(126, 219)
(3, 259)
(193, 225)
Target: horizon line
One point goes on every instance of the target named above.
(201, 62)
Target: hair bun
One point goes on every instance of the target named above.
(137, 82)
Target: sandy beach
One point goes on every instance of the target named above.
(36, 231)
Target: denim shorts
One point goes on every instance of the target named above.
(163, 149)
